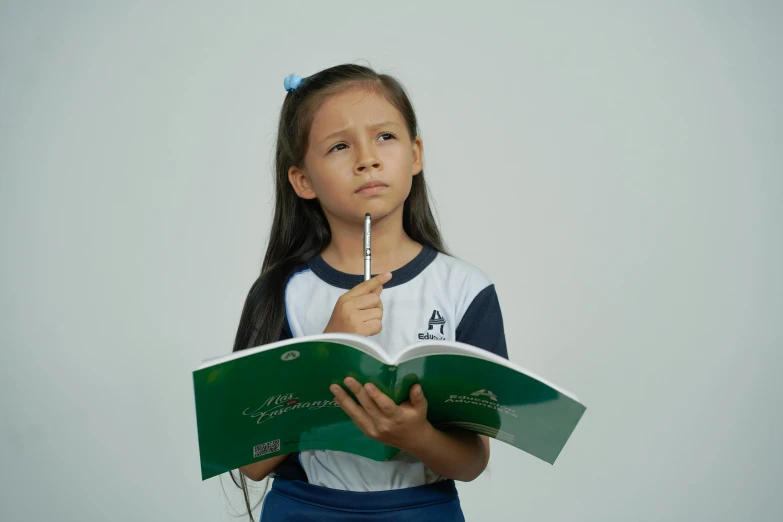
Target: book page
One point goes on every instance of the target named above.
(362, 344)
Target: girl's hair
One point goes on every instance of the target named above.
(299, 228)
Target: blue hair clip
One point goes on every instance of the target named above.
(291, 82)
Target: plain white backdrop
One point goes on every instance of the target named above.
(614, 167)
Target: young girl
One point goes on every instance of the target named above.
(348, 145)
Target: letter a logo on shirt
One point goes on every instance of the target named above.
(434, 327)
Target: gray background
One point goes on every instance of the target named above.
(614, 167)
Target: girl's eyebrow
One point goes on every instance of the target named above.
(371, 127)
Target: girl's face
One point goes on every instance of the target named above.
(360, 158)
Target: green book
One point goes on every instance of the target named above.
(275, 399)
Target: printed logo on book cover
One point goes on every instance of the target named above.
(485, 393)
(434, 327)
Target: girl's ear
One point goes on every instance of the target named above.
(418, 156)
(301, 183)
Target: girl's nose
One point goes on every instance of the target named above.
(368, 160)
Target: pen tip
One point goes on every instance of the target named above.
(367, 215)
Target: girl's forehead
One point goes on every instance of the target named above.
(353, 107)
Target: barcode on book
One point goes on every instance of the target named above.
(266, 448)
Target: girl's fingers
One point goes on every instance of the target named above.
(354, 411)
(367, 301)
(382, 401)
(369, 285)
(372, 327)
(371, 314)
(365, 400)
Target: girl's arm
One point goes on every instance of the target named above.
(457, 454)
(258, 470)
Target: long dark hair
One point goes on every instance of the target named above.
(299, 228)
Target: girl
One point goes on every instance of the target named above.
(348, 145)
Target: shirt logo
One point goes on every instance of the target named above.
(433, 332)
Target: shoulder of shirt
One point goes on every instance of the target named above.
(461, 281)
(460, 271)
(300, 269)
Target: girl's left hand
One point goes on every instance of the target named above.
(404, 427)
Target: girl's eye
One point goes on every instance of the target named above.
(383, 137)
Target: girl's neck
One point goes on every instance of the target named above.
(392, 248)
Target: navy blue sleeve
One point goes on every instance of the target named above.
(482, 324)
(291, 469)
(286, 333)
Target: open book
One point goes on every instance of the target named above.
(275, 399)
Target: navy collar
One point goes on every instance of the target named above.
(400, 276)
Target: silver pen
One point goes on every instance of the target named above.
(367, 253)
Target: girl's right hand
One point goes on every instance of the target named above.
(359, 310)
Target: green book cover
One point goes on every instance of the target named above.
(274, 399)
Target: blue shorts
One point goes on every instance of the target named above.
(294, 500)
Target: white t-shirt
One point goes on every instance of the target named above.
(434, 296)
